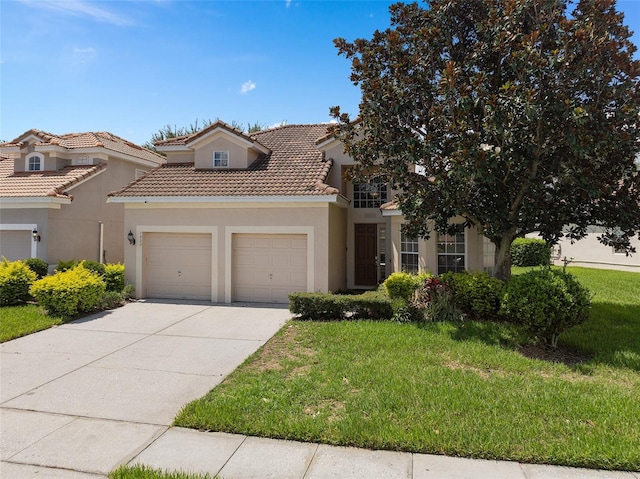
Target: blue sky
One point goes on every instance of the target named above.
(131, 67)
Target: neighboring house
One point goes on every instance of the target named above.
(237, 217)
(589, 252)
(53, 194)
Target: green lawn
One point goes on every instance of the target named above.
(462, 390)
(16, 321)
(144, 472)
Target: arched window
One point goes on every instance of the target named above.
(34, 162)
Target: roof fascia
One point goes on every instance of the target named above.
(326, 144)
(33, 202)
(173, 148)
(391, 212)
(230, 199)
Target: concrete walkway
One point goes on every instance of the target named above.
(78, 400)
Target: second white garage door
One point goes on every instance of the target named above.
(267, 267)
(178, 265)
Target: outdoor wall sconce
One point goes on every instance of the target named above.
(131, 238)
(36, 236)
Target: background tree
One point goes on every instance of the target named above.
(519, 118)
(169, 131)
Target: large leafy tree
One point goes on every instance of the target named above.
(514, 114)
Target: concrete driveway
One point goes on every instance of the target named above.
(80, 399)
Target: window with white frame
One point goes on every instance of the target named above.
(221, 159)
(408, 254)
(34, 162)
(371, 194)
(451, 251)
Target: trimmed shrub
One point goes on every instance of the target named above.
(69, 292)
(94, 266)
(323, 306)
(114, 277)
(530, 252)
(128, 292)
(39, 266)
(546, 302)
(66, 265)
(400, 286)
(111, 300)
(476, 294)
(15, 280)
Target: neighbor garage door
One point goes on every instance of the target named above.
(178, 266)
(15, 244)
(266, 268)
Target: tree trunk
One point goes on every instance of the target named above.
(503, 258)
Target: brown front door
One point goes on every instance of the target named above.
(366, 239)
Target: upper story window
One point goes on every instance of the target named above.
(34, 162)
(371, 194)
(221, 159)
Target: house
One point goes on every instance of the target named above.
(590, 253)
(238, 217)
(53, 194)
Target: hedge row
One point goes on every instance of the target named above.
(321, 306)
(544, 302)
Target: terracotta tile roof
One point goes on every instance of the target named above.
(101, 139)
(42, 183)
(390, 206)
(294, 167)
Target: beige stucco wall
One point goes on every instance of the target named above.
(239, 155)
(591, 253)
(314, 219)
(337, 248)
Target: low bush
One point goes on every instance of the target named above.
(400, 286)
(94, 266)
(114, 277)
(15, 280)
(435, 299)
(39, 266)
(111, 300)
(476, 294)
(63, 266)
(530, 252)
(69, 292)
(128, 292)
(327, 306)
(546, 302)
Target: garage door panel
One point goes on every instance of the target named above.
(15, 244)
(178, 266)
(266, 268)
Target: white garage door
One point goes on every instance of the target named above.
(15, 244)
(178, 266)
(266, 268)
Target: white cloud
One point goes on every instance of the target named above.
(287, 3)
(247, 87)
(84, 55)
(81, 8)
